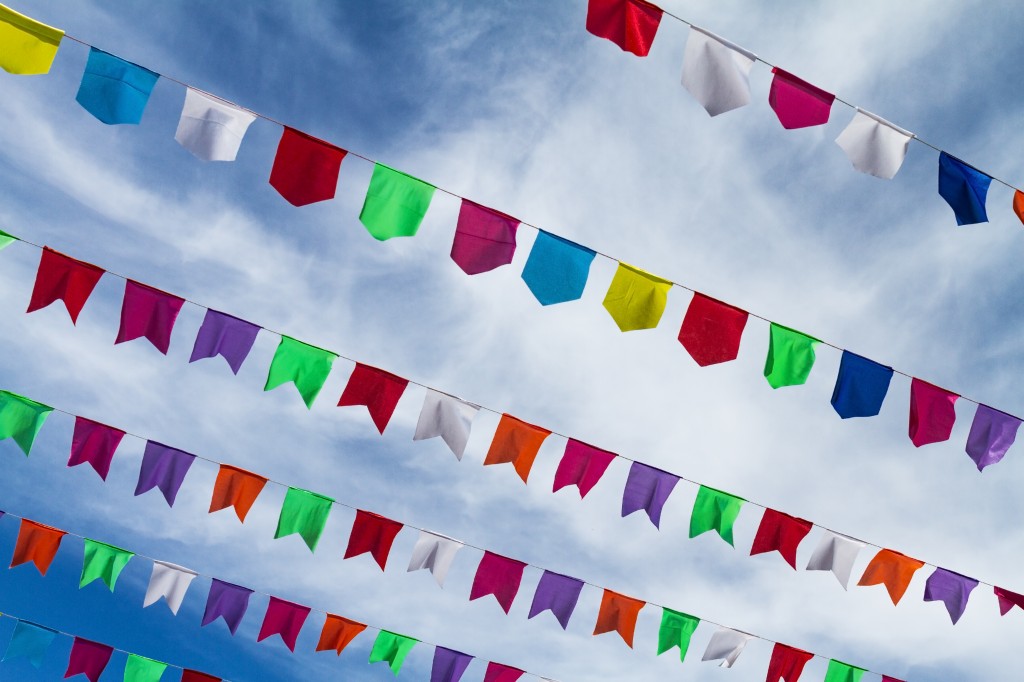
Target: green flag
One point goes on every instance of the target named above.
(841, 672)
(142, 669)
(305, 366)
(391, 648)
(790, 357)
(21, 419)
(714, 510)
(304, 513)
(6, 239)
(395, 203)
(103, 561)
(676, 630)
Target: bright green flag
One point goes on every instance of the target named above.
(714, 510)
(676, 630)
(6, 239)
(304, 513)
(142, 669)
(790, 357)
(395, 203)
(391, 648)
(103, 561)
(841, 672)
(305, 366)
(21, 419)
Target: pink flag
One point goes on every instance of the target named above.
(499, 576)
(797, 103)
(1007, 600)
(283, 618)
(496, 672)
(88, 658)
(582, 465)
(484, 238)
(148, 312)
(94, 443)
(931, 413)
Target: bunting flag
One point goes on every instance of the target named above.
(715, 510)
(499, 576)
(226, 601)
(305, 513)
(873, 145)
(1018, 207)
(170, 582)
(236, 488)
(5, 239)
(931, 413)
(647, 488)
(964, 188)
(63, 278)
(618, 613)
(496, 672)
(484, 238)
(952, 589)
(787, 663)
(842, 672)
(675, 631)
(21, 419)
(448, 665)
(711, 330)
(434, 553)
(36, 543)
(142, 669)
(378, 390)
(226, 336)
(860, 387)
(95, 444)
(113, 90)
(716, 72)
(337, 633)
(797, 103)
(305, 168)
(29, 641)
(636, 299)
(557, 269)
(790, 357)
(88, 658)
(448, 417)
(1007, 600)
(395, 203)
(630, 24)
(836, 553)
(726, 646)
(556, 593)
(582, 465)
(892, 569)
(782, 533)
(150, 313)
(285, 619)
(195, 676)
(103, 562)
(165, 468)
(27, 47)
(373, 534)
(992, 434)
(392, 648)
(210, 128)
(304, 365)
(517, 443)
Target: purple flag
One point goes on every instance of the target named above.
(88, 658)
(224, 335)
(484, 238)
(992, 434)
(226, 601)
(94, 443)
(165, 468)
(148, 312)
(558, 593)
(950, 588)
(448, 665)
(647, 488)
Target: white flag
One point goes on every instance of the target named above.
(210, 128)
(726, 645)
(874, 145)
(716, 72)
(434, 552)
(448, 417)
(836, 553)
(170, 582)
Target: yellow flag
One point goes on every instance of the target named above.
(636, 299)
(27, 47)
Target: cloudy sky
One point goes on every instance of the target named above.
(516, 106)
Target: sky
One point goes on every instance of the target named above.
(516, 106)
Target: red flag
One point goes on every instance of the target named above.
(787, 663)
(711, 330)
(305, 169)
(64, 278)
(378, 390)
(931, 413)
(374, 534)
(780, 532)
(630, 24)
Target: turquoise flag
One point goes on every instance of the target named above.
(29, 641)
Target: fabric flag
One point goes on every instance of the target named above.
(782, 533)
(448, 417)
(873, 145)
(582, 465)
(27, 47)
(196, 676)
(163, 467)
(226, 601)
(448, 665)
(283, 618)
(557, 269)
(113, 90)
(5, 239)
(236, 488)
(88, 658)
(726, 646)
(715, 510)
(142, 669)
(557, 593)
(395, 203)
(647, 488)
(210, 128)
(392, 648)
(337, 633)
(1007, 600)
(797, 103)
(169, 581)
(619, 613)
(836, 553)
(21, 419)
(630, 24)
(711, 330)
(892, 569)
(1018, 208)
(636, 299)
(842, 672)
(373, 534)
(29, 640)
(716, 72)
(992, 434)
(790, 357)
(952, 589)
(860, 387)
(516, 443)
(36, 543)
(499, 576)
(964, 188)
(931, 413)
(496, 672)
(378, 390)
(304, 365)
(63, 278)
(675, 631)
(484, 238)
(103, 562)
(305, 513)
(94, 443)
(787, 663)
(434, 553)
(150, 313)
(305, 168)
(226, 336)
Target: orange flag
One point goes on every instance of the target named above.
(516, 442)
(236, 488)
(337, 633)
(892, 569)
(1018, 204)
(618, 612)
(36, 543)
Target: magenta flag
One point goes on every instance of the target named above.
(992, 434)
(224, 335)
(496, 672)
(499, 576)
(94, 443)
(582, 465)
(449, 665)
(797, 103)
(88, 658)
(559, 593)
(484, 238)
(1007, 600)
(931, 413)
(163, 467)
(283, 618)
(952, 589)
(226, 601)
(647, 488)
(148, 312)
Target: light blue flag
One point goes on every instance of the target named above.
(557, 269)
(113, 90)
(29, 641)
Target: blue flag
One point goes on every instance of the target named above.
(557, 269)
(113, 90)
(860, 387)
(964, 189)
(29, 641)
